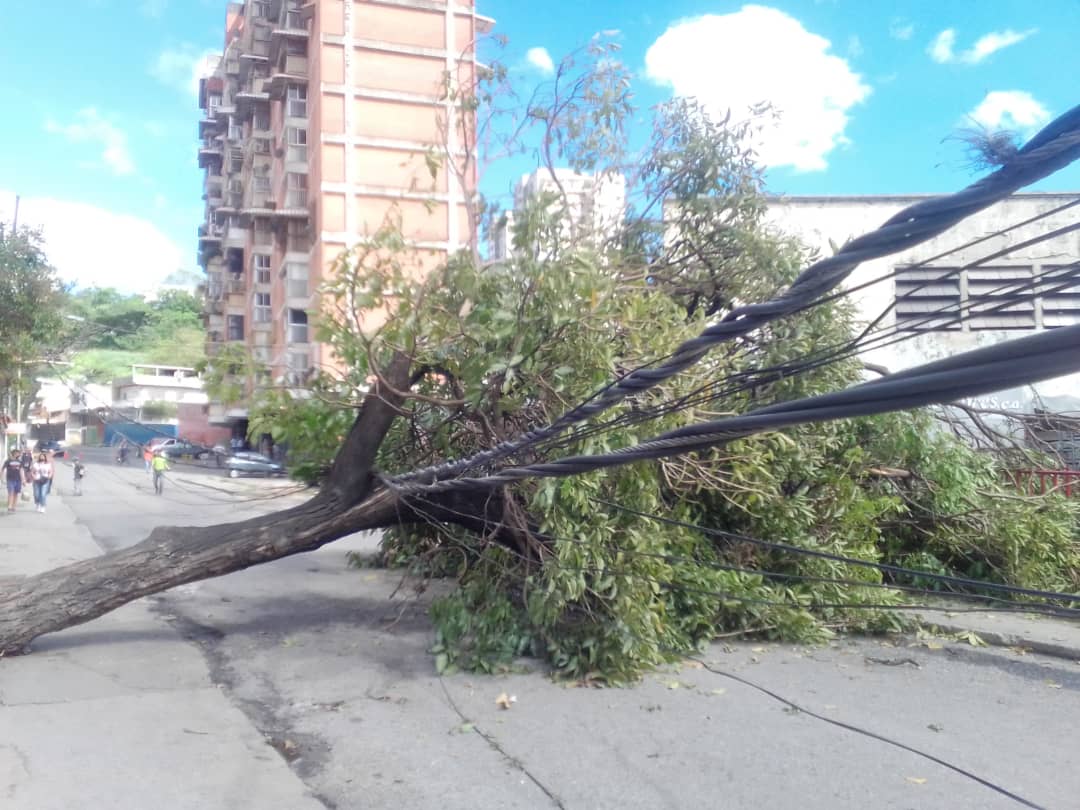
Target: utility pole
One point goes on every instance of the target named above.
(15, 218)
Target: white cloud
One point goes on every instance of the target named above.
(90, 127)
(91, 246)
(182, 67)
(901, 29)
(942, 51)
(1010, 109)
(540, 59)
(993, 42)
(759, 54)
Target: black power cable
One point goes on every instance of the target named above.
(1017, 362)
(1056, 146)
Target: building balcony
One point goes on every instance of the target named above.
(214, 308)
(210, 152)
(258, 50)
(283, 79)
(209, 233)
(208, 126)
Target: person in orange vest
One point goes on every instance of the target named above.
(148, 457)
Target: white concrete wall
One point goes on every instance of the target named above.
(819, 221)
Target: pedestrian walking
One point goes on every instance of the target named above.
(160, 465)
(42, 471)
(77, 476)
(27, 461)
(148, 458)
(13, 476)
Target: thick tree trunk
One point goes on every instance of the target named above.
(169, 557)
(349, 501)
(85, 590)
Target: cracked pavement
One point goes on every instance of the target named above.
(302, 683)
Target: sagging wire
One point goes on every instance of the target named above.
(1021, 361)
(1054, 147)
(741, 381)
(1003, 605)
(683, 654)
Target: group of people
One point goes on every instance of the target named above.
(21, 469)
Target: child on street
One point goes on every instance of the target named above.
(77, 475)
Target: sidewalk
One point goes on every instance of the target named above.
(1025, 633)
(121, 713)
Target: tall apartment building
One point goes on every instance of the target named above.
(595, 205)
(316, 128)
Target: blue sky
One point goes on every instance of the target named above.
(101, 132)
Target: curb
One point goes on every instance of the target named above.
(996, 638)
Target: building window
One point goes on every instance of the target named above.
(295, 190)
(1060, 301)
(296, 106)
(236, 129)
(297, 275)
(989, 289)
(298, 361)
(236, 159)
(298, 237)
(261, 309)
(260, 9)
(979, 298)
(297, 140)
(212, 103)
(235, 326)
(261, 265)
(296, 47)
(297, 326)
(261, 119)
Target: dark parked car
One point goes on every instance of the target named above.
(246, 462)
(51, 446)
(179, 448)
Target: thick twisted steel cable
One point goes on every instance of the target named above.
(1056, 146)
(940, 318)
(980, 371)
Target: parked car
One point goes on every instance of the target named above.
(51, 446)
(247, 462)
(179, 448)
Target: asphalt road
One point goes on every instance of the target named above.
(330, 664)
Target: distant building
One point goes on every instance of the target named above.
(159, 388)
(318, 121)
(592, 206)
(951, 274)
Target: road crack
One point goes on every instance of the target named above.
(513, 761)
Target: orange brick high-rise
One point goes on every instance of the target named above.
(316, 126)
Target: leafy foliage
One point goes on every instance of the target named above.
(32, 298)
(499, 347)
(121, 330)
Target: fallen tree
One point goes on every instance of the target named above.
(469, 361)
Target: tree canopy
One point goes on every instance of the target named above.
(32, 299)
(122, 329)
(603, 574)
(494, 348)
